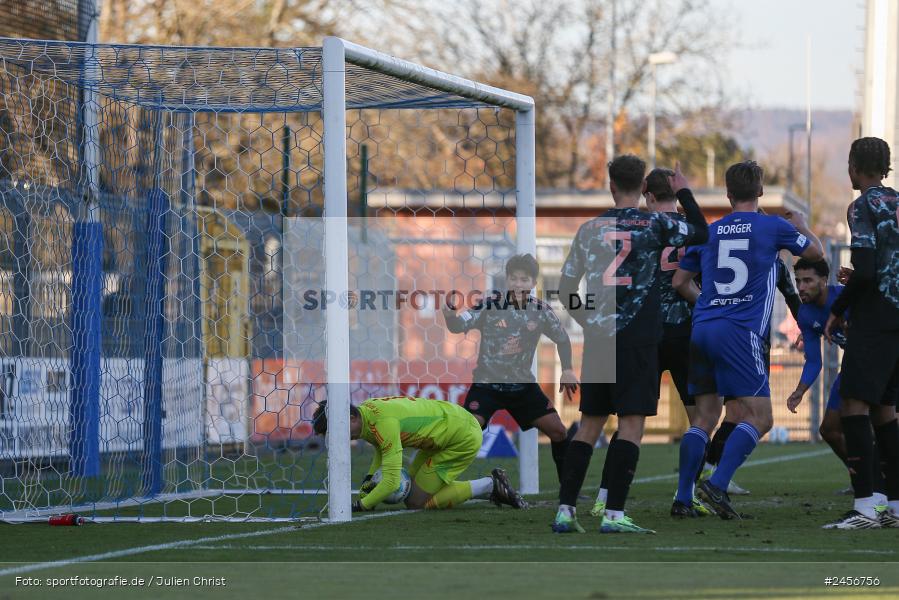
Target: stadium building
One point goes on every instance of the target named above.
(559, 214)
(880, 89)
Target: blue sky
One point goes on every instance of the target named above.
(769, 69)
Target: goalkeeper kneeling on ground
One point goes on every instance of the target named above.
(447, 437)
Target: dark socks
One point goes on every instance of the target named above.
(574, 470)
(622, 464)
(859, 453)
(604, 482)
(716, 446)
(888, 465)
(559, 449)
(701, 467)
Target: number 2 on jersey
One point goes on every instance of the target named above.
(608, 276)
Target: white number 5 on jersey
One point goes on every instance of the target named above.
(726, 261)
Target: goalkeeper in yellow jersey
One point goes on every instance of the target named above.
(447, 437)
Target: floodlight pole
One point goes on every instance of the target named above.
(808, 126)
(655, 59)
(651, 135)
(790, 176)
(610, 96)
(336, 255)
(526, 224)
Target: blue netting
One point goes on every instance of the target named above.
(158, 358)
(214, 79)
(47, 19)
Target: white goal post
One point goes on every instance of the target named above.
(165, 212)
(337, 53)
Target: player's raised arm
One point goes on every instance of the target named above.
(464, 321)
(787, 289)
(692, 212)
(813, 250)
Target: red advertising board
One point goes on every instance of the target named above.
(284, 394)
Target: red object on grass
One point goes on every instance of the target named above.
(66, 520)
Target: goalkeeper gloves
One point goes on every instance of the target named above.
(367, 486)
(358, 507)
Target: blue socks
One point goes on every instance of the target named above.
(739, 446)
(692, 451)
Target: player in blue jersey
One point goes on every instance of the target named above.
(732, 413)
(817, 300)
(619, 254)
(869, 381)
(730, 321)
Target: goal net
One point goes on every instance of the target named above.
(189, 241)
(68, 20)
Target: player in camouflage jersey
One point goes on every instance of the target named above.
(677, 311)
(869, 382)
(619, 253)
(511, 325)
(674, 349)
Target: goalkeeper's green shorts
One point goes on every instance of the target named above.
(433, 469)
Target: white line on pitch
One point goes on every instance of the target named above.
(183, 544)
(416, 548)
(752, 463)
(251, 534)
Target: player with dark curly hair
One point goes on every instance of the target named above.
(869, 383)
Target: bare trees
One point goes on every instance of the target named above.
(239, 157)
(559, 52)
(231, 22)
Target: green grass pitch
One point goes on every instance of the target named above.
(481, 551)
